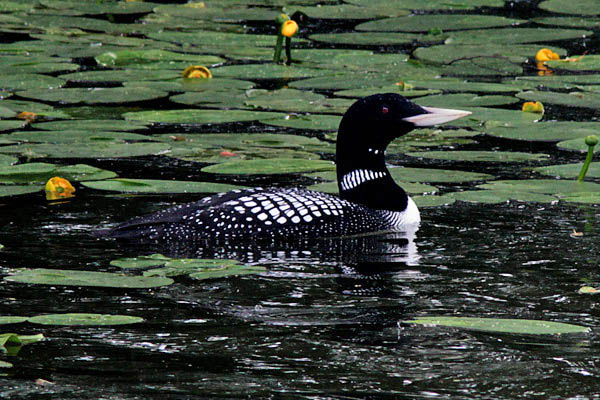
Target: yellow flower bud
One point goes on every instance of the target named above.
(546, 55)
(533, 107)
(289, 28)
(58, 187)
(197, 71)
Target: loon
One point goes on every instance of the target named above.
(369, 199)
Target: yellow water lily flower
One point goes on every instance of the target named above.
(197, 71)
(533, 107)
(58, 188)
(289, 28)
(546, 55)
(27, 116)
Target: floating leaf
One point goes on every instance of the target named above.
(452, 53)
(141, 261)
(29, 81)
(61, 277)
(94, 95)
(296, 101)
(432, 201)
(4, 364)
(194, 116)
(464, 100)
(177, 267)
(501, 325)
(427, 5)
(443, 22)
(582, 197)
(11, 320)
(108, 7)
(69, 136)
(588, 22)
(266, 71)
(547, 186)
(577, 144)
(571, 7)
(8, 340)
(41, 172)
(507, 36)
(89, 124)
(550, 131)
(80, 319)
(272, 166)
(588, 290)
(409, 187)
(121, 75)
(569, 170)
(136, 58)
(300, 121)
(572, 99)
(436, 175)
(159, 186)
(348, 11)
(481, 156)
(15, 190)
(376, 38)
(101, 149)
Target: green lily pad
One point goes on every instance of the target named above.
(10, 341)
(499, 196)
(193, 116)
(298, 101)
(452, 53)
(185, 266)
(11, 125)
(358, 93)
(225, 40)
(215, 156)
(100, 149)
(376, 38)
(442, 22)
(493, 117)
(483, 66)
(300, 121)
(430, 137)
(106, 7)
(4, 364)
(582, 197)
(481, 156)
(408, 174)
(80, 319)
(94, 95)
(571, 7)
(588, 22)
(506, 36)
(68, 136)
(546, 186)
(41, 109)
(461, 85)
(29, 81)
(349, 11)
(363, 80)
(41, 172)
(573, 99)
(90, 124)
(265, 71)
(550, 131)
(136, 58)
(214, 11)
(7, 160)
(60, 277)
(212, 85)
(141, 261)
(501, 325)
(272, 166)
(428, 5)
(569, 171)
(16, 190)
(11, 320)
(432, 201)
(6, 112)
(464, 100)
(158, 186)
(577, 144)
(124, 75)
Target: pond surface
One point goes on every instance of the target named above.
(324, 320)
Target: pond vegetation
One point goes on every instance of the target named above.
(139, 105)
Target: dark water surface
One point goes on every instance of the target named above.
(323, 321)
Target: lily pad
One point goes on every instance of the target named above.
(193, 116)
(442, 22)
(42, 110)
(296, 101)
(481, 156)
(499, 196)
(427, 5)
(16, 190)
(546, 186)
(465, 100)
(358, 93)
(501, 325)
(300, 121)
(582, 197)
(452, 53)
(376, 38)
(68, 136)
(569, 171)
(61, 277)
(493, 117)
(41, 172)
(94, 95)
(363, 80)
(158, 186)
(409, 187)
(577, 144)
(349, 11)
(571, 7)
(136, 58)
(272, 166)
(550, 131)
(89, 124)
(80, 319)
(141, 261)
(408, 174)
(432, 201)
(107, 7)
(506, 36)
(265, 71)
(572, 99)
(101, 149)
(11, 320)
(588, 22)
(125, 75)
(29, 81)
(4, 364)
(185, 266)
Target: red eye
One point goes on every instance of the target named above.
(385, 110)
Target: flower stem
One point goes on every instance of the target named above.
(288, 50)
(277, 55)
(591, 141)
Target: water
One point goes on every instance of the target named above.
(324, 321)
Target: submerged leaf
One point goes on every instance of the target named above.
(81, 319)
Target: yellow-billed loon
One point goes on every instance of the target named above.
(369, 198)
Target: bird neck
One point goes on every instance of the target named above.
(364, 178)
